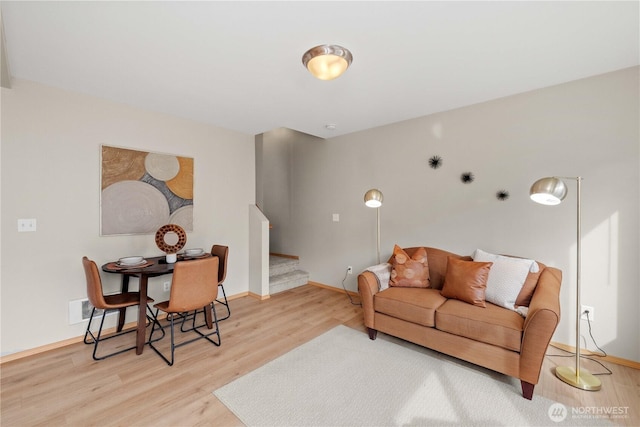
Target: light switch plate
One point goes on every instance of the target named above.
(27, 224)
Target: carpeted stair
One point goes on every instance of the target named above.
(284, 274)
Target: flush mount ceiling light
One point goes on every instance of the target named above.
(327, 61)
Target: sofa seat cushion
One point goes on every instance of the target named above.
(415, 305)
(491, 324)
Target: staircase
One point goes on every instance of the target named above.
(284, 274)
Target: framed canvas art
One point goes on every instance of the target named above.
(142, 191)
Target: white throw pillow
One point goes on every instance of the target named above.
(506, 277)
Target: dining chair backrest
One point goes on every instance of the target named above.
(222, 252)
(94, 284)
(194, 285)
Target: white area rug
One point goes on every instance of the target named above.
(342, 378)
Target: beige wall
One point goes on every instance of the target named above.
(277, 168)
(588, 127)
(51, 171)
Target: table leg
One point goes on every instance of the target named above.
(123, 311)
(142, 315)
(208, 317)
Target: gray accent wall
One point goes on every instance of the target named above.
(587, 128)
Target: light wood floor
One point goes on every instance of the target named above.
(66, 387)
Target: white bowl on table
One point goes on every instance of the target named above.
(194, 252)
(131, 260)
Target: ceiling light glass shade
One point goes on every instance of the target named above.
(548, 191)
(326, 62)
(373, 198)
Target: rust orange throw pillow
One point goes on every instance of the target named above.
(409, 272)
(466, 281)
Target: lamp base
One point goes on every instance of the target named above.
(586, 381)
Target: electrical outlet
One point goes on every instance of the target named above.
(583, 315)
(167, 286)
(349, 270)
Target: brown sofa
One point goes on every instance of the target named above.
(493, 337)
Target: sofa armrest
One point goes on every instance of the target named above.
(367, 287)
(540, 324)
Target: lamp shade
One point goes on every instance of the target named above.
(548, 191)
(373, 198)
(327, 62)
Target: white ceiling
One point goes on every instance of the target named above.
(237, 65)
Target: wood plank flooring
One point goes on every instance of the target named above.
(66, 387)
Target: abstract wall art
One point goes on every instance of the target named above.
(142, 191)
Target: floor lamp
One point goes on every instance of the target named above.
(373, 199)
(552, 191)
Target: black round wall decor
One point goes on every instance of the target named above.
(435, 162)
(502, 195)
(467, 177)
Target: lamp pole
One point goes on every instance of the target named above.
(578, 272)
(551, 191)
(373, 199)
(378, 232)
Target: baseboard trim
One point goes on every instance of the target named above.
(608, 358)
(236, 296)
(333, 288)
(284, 255)
(38, 350)
(258, 297)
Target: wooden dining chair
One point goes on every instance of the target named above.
(108, 303)
(194, 285)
